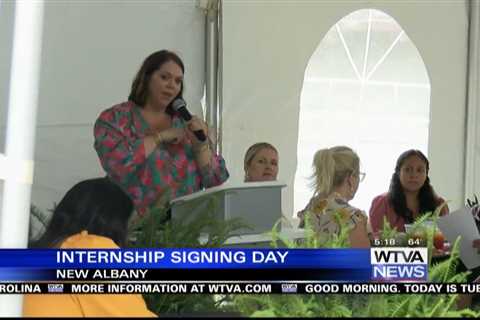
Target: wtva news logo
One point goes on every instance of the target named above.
(55, 287)
(289, 288)
(399, 264)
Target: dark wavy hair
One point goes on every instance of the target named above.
(139, 91)
(98, 206)
(396, 195)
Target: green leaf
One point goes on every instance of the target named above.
(400, 309)
(264, 313)
(155, 231)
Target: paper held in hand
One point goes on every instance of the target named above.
(461, 223)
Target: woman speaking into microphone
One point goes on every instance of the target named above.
(150, 145)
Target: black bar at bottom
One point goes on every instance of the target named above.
(237, 288)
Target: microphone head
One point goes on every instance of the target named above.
(178, 103)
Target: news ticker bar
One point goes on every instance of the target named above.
(238, 287)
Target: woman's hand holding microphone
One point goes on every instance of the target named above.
(170, 135)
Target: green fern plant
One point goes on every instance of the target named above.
(204, 230)
(378, 305)
(38, 220)
(388, 232)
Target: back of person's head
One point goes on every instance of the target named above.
(331, 167)
(140, 85)
(396, 193)
(98, 206)
(252, 152)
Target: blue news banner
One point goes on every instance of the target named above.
(217, 270)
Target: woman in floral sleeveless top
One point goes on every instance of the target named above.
(336, 181)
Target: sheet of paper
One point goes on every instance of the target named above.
(461, 223)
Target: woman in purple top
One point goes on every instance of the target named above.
(410, 194)
(146, 147)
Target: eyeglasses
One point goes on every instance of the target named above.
(361, 176)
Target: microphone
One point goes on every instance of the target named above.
(180, 106)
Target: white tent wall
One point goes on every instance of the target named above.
(7, 21)
(91, 51)
(7, 15)
(266, 46)
(472, 151)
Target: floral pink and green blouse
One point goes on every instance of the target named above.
(119, 133)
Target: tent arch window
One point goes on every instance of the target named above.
(367, 87)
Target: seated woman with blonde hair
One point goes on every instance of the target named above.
(336, 179)
(261, 163)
